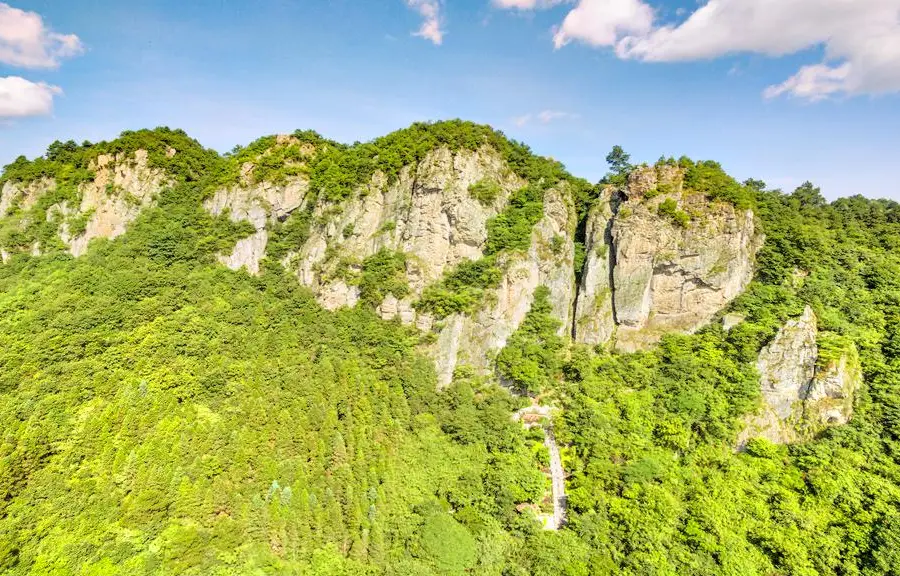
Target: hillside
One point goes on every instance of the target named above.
(303, 357)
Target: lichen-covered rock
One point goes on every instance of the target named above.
(731, 320)
(259, 205)
(801, 392)
(670, 272)
(830, 398)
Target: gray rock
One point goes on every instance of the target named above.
(594, 318)
(646, 275)
(801, 393)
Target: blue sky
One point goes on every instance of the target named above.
(229, 71)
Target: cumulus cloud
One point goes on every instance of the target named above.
(20, 97)
(861, 38)
(27, 43)
(543, 117)
(430, 11)
(604, 22)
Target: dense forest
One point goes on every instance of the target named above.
(161, 414)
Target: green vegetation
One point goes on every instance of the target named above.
(160, 414)
(485, 191)
(531, 360)
(619, 165)
(656, 487)
(336, 171)
(383, 273)
(462, 289)
(288, 235)
(708, 178)
(669, 209)
(511, 229)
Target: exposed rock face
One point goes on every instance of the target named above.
(426, 213)
(646, 272)
(121, 188)
(801, 394)
(23, 195)
(729, 321)
(259, 205)
(666, 276)
(549, 262)
(595, 321)
(830, 398)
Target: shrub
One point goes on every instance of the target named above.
(485, 191)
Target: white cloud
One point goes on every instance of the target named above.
(25, 41)
(543, 117)
(861, 38)
(812, 82)
(20, 97)
(430, 11)
(603, 22)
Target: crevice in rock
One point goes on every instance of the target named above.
(580, 238)
(614, 201)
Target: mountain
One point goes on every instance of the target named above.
(316, 358)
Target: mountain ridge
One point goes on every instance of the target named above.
(167, 409)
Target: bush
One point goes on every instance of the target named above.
(383, 273)
(485, 191)
(669, 209)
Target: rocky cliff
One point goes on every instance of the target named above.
(660, 259)
(805, 386)
(433, 217)
(426, 213)
(42, 212)
(453, 236)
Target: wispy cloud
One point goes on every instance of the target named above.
(543, 117)
(432, 19)
(26, 42)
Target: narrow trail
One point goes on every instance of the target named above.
(557, 479)
(538, 415)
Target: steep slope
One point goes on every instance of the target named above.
(661, 258)
(162, 414)
(397, 235)
(75, 194)
(804, 388)
(449, 227)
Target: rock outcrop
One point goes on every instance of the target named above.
(122, 186)
(474, 340)
(658, 258)
(661, 259)
(802, 392)
(427, 213)
(261, 205)
(23, 196)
